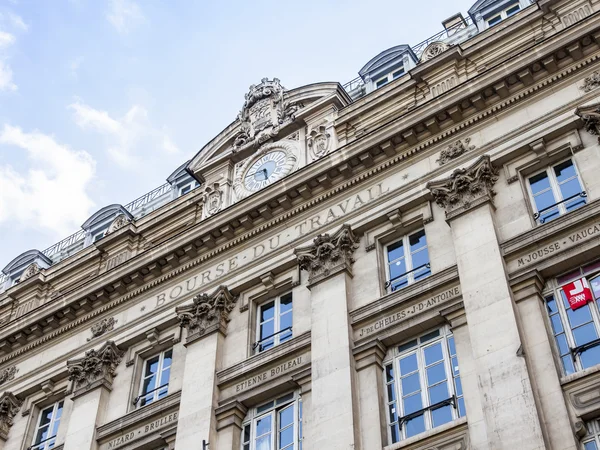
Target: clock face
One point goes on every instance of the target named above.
(265, 170)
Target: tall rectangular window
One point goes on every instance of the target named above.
(47, 427)
(576, 332)
(274, 322)
(556, 191)
(422, 384)
(407, 261)
(155, 378)
(275, 425)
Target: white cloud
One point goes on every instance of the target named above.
(6, 39)
(52, 192)
(17, 21)
(6, 83)
(124, 15)
(131, 140)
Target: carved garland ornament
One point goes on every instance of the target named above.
(434, 49)
(206, 312)
(95, 365)
(99, 328)
(8, 374)
(465, 186)
(265, 110)
(327, 253)
(9, 407)
(454, 150)
(592, 82)
(119, 222)
(32, 270)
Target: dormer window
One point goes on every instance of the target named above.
(498, 17)
(188, 187)
(390, 77)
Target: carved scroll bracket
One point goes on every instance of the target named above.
(206, 314)
(328, 254)
(9, 407)
(96, 368)
(465, 188)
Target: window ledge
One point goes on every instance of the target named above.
(454, 432)
(567, 379)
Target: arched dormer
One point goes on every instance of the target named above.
(387, 66)
(487, 13)
(97, 225)
(181, 181)
(17, 266)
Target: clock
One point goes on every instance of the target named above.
(272, 162)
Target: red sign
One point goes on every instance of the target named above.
(578, 293)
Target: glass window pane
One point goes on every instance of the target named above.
(462, 412)
(549, 215)
(168, 358)
(417, 241)
(441, 415)
(151, 366)
(399, 284)
(563, 346)
(263, 425)
(410, 384)
(267, 311)
(539, 182)
(435, 374)
(391, 392)
(512, 10)
(585, 334)
(149, 384)
(412, 403)
(166, 374)
(389, 373)
(455, 369)
(415, 426)
(568, 364)
(46, 416)
(41, 435)
(395, 251)
(590, 357)
(267, 329)
(286, 437)
(394, 433)
(451, 345)
(408, 345)
(551, 304)
(556, 324)
(285, 303)
(458, 385)
(544, 200)
(564, 171)
(408, 364)
(286, 416)
(263, 443)
(393, 412)
(285, 321)
(429, 336)
(433, 353)
(438, 393)
(397, 269)
(420, 259)
(494, 20)
(590, 445)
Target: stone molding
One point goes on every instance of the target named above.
(592, 82)
(455, 150)
(369, 354)
(328, 254)
(230, 414)
(96, 368)
(590, 115)
(9, 407)
(8, 374)
(207, 313)
(526, 285)
(465, 188)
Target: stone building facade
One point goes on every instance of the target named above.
(410, 261)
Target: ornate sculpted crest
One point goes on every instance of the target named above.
(592, 82)
(591, 119)
(465, 186)
(265, 110)
(206, 312)
(99, 328)
(327, 253)
(318, 141)
(213, 199)
(95, 365)
(119, 222)
(9, 407)
(32, 270)
(454, 150)
(434, 49)
(8, 374)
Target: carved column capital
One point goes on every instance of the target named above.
(465, 188)
(96, 368)
(9, 407)
(328, 254)
(207, 313)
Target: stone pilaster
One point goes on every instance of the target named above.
(328, 261)
(537, 351)
(503, 380)
(369, 358)
(9, 407)
(205, 320)
(229, 425)
(92, 378)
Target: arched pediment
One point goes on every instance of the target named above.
(105, 214)
(269, 113)
(25, 259)
(380, 61)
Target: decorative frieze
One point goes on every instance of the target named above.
(8, 374)
(328, 254)
(99, 328)
(590, 116)
(96, 368)
(465, 187)
(9, 407)
(206, 313)
(454, 150)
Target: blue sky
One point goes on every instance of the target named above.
(100, 100)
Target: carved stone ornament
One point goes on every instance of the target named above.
(9, 407)
(465, 187)
(32, 270)
(265, 110)
(8, 374)
(590, 116)
(97, 367)
(592, 82)
(434, 49)
(206, 313)
(99, 328)
(119, 222)
(454, 150)
(328, 254)
(318, 141)
(212, 198)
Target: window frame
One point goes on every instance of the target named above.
(277, 331)
(390, 76)
(502, 14)
(555, 188)
(50, 441)
(592, 435)
(290, 399)
(408, 259)
(456, 399)
(156, 393)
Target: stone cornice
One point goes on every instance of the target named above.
(221, 220)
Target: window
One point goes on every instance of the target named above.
(423, 385)
(98, 236)
(274, 322)
(276, 425)
(188, 187)
(382, 82)
(591, 441)
(504, 14)
(556, 191)
(577, 333)
(155, 378)
(407, 261)
(47, 427)
(389, 77)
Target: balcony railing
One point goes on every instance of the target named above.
(148, 198)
